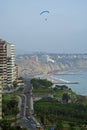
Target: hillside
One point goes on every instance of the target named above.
(44, 63)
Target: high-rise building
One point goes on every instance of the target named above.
(7, 64)
(0, 100)
(3, 62)
(11, 73)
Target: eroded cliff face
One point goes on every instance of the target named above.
(28, 66)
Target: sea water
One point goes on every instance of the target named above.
(80, 77)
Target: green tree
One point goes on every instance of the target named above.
(15, 84)
(12, 104)
(72, 126)
(4, 124)
(59, 125)
(65, 97)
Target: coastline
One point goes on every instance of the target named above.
(77, 79)
(55, 80)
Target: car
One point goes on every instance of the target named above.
(26, 107)
(38, 125)
(28, 117)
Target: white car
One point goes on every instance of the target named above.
(38, 125)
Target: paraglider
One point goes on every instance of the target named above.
(44, 12)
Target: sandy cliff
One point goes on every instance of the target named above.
(31, 67)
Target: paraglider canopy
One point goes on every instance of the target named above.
(44, 12)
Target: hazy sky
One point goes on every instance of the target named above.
(64, 31)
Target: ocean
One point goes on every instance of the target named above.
(78, 76)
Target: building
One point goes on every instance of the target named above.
(3, 62)
(7, 64)
(0, 100)
(34, 58)
(11, 73)
(47, 58)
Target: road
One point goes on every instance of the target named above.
(27, 120)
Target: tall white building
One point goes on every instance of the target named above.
(7, 64)
(11, 73)
(3, 62)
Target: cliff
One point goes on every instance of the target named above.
(29, 66)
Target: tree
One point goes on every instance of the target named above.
(4, 124)
(15, 84)
(72, 126)
(65, 97)
(59, 125)
(12, 103)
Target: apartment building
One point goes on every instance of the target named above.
(0, 100)
(3, 62)
(7, 63)
(11, 73)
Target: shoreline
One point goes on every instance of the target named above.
(55, 80)
(79, 79)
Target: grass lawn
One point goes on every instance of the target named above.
(7, 97)
(58, 93)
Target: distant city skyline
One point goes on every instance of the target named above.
(62, 30)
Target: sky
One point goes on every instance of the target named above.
(62, 30)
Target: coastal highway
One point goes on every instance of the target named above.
(27, 120)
